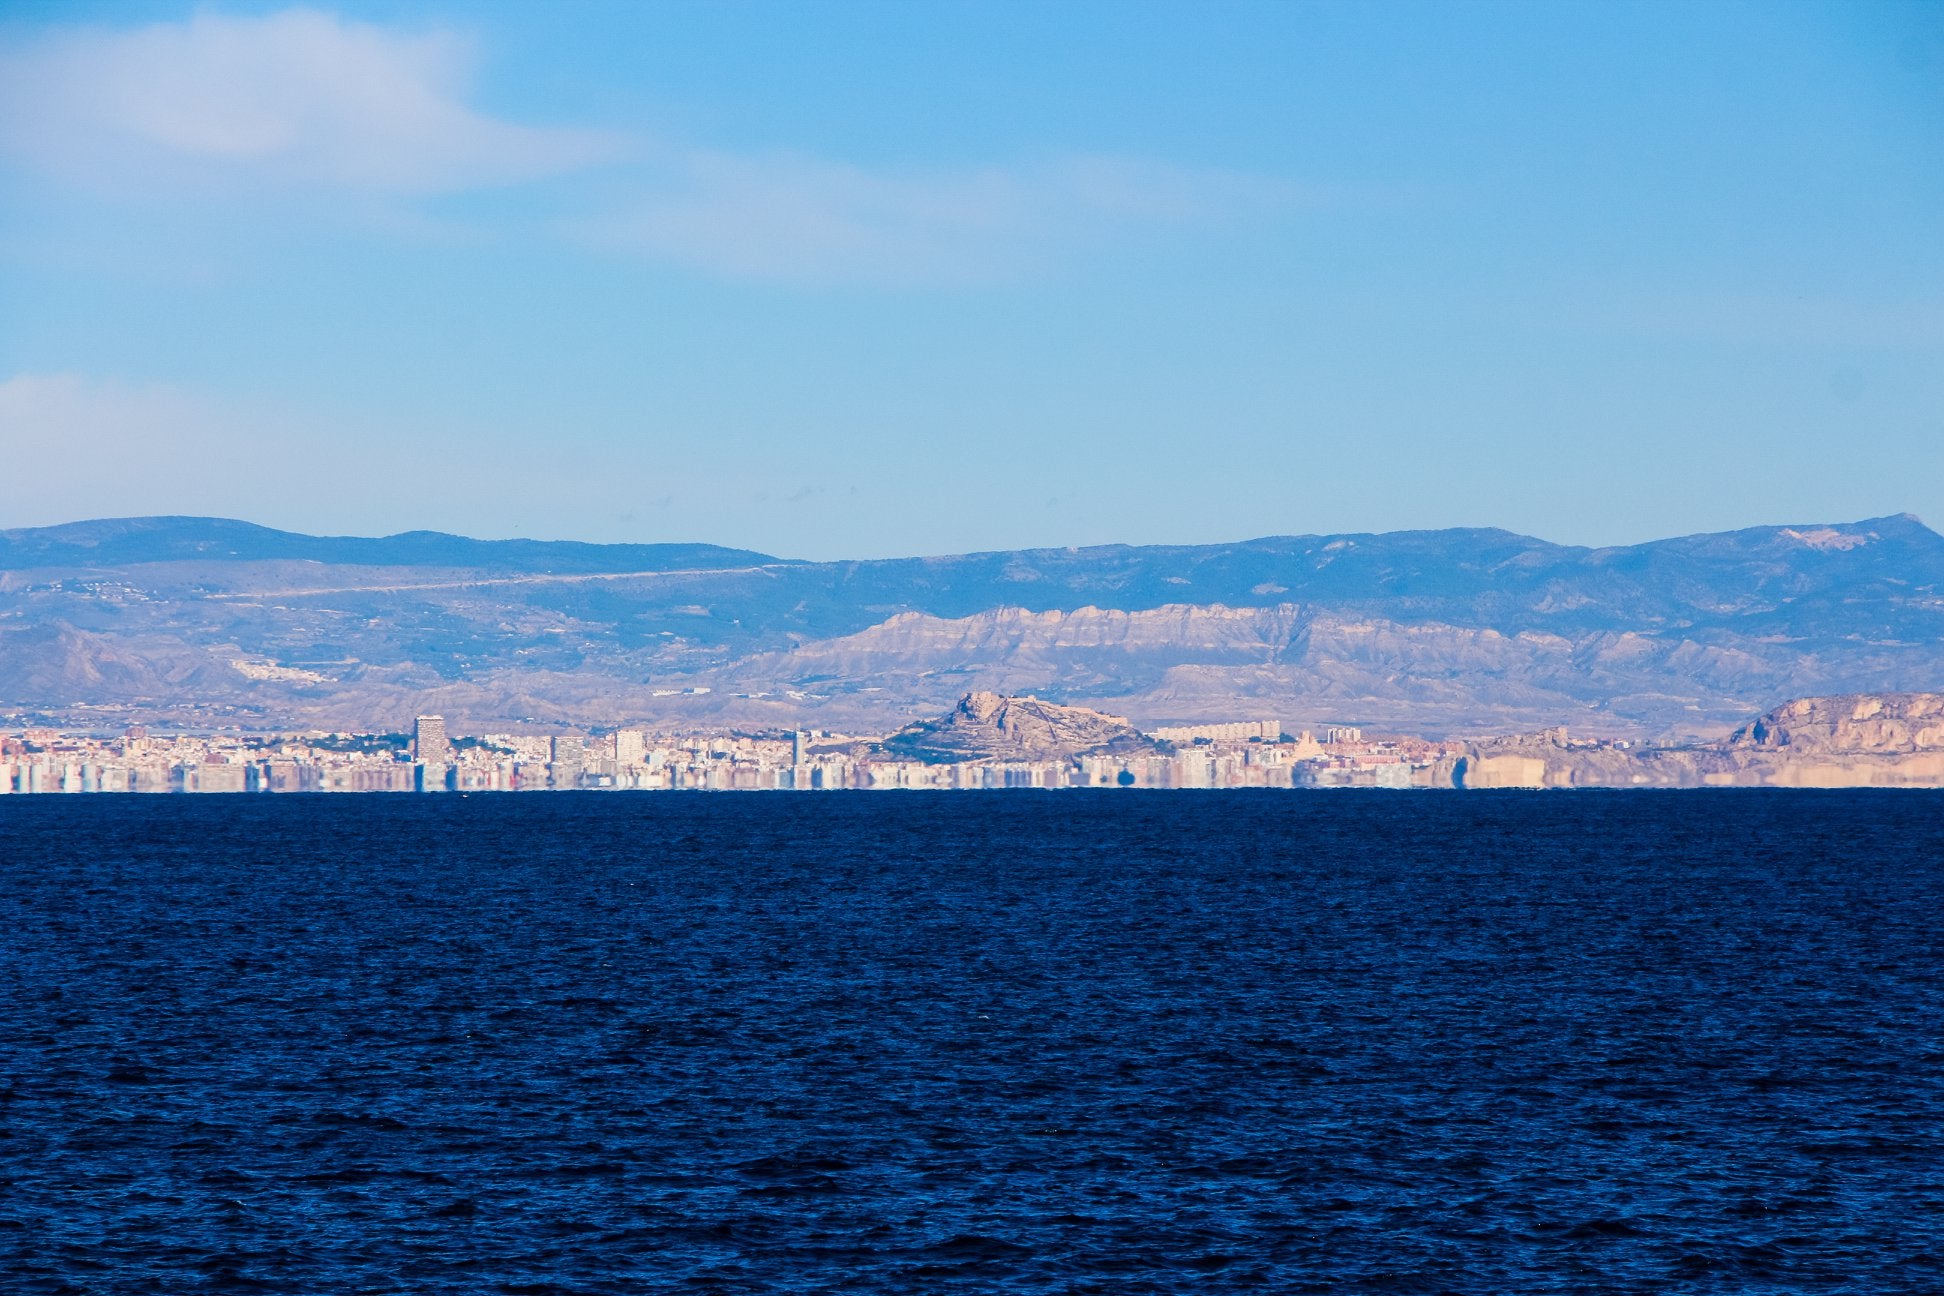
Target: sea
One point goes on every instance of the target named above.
(1007, 1042)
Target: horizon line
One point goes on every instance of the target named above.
(21, 532)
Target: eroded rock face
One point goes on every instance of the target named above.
(1852, 740)
(1851, 724)
(988, 726)
(981, 707)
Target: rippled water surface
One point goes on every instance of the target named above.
(1118, 1042)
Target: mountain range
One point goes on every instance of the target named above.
(218, 623)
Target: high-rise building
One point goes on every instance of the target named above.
(429, 745)
(567, 756)
(630, 746)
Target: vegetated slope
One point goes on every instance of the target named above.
(1459, 630)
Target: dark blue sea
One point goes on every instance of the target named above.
(1114, 1042)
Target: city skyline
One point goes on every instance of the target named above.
(862, 280)
(992, 743)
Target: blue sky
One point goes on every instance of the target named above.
(862, 279)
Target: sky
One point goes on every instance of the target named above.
(843, 280)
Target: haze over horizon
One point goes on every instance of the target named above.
(868, 280)
(130, 527)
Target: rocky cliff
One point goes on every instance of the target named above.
(986, 726)
(1855, 740)
(1309, 665)
(1895, 724)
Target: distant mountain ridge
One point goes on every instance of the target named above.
(1465, 630)
(1493, 575)
(120, 542)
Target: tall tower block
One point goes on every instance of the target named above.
(429, 744)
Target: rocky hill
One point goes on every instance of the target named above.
(986, 726)
(214, 622)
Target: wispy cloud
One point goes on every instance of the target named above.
(306, 107)
(792, 217)
(300, 97)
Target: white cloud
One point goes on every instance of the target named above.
(214, 114)
(299, 97)
(790, 217)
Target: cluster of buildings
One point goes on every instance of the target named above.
(1241, 754)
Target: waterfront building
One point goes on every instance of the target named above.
(429, 742)
(212, 778)
(566, 758)
(1228, 731)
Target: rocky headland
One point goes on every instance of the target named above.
(1853, 740)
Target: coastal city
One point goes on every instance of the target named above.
(1248, 754)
